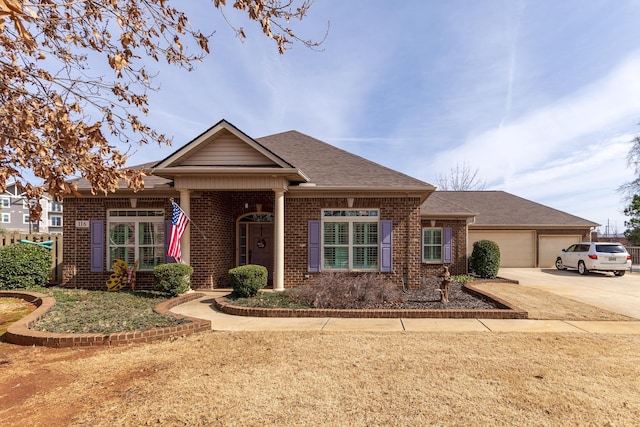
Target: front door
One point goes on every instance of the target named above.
(255, 240)
(260, 250)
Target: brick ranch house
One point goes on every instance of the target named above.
(287, 201)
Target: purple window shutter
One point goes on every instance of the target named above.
(167, 234)
(97, 246)
(386, 246)
(313, 246)
(448, 232)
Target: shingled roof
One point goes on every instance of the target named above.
(499, 208)
(329, 166)
(326, 167)
(150, 182)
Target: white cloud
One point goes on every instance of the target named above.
(548, 133)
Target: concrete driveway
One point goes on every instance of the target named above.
(604, 290)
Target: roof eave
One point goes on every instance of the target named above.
(530, 226)
(436, 215)
(310, 187)
(292, 174)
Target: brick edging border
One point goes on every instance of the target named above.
(508, 310)
(19, 332)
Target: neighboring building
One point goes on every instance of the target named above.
(289, 202)
(14, 213)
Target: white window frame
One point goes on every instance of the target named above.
(5, 202)
(136, 217)
(25, 218)
(52, 217)
(350, 217)
(6, 218)
(55, 207)
(432, 245)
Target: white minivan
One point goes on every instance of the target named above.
(597, 256)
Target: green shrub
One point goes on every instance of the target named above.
(172, 279)
(462, 279)
(485, 259)
(247, 280)
(24, 266)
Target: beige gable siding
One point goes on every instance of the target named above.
(226, 150)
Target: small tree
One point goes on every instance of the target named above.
(633, 160)
(485, 259)
(460, 178)
(61, 118)
(633, 225)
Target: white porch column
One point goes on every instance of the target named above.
(278, 277)
(185, 241)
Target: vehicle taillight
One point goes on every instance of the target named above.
(628, 257)
(593, 256)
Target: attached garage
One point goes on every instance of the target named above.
(549, 246)
(517, 247)
(529, 234)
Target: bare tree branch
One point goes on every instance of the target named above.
(460, 178)
(56, 117)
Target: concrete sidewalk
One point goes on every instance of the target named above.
(203, 308)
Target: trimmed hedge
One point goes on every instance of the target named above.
(485, 259)
(247, 280)
(172, 279)
(24, 266)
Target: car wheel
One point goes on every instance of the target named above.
(582, 269)
(560, 264)
(619, 273)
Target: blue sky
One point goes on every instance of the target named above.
(542, 97)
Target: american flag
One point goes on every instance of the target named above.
(179, 221)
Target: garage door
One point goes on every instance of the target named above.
(549, 246)
(517, 248)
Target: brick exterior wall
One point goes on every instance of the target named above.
(76, 252)
(216, 214)
(458, 263)
(213, 242)
(214, 246)
(404, 212)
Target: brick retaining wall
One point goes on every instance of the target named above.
(507, 311)
(19, 332)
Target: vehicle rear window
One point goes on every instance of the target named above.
(611, 249)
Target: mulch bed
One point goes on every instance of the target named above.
(428, 297)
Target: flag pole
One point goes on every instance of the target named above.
(173, 203)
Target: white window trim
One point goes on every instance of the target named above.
(136, 220)
(55, 207)
(373, 217)
(422, 246)
(51, 218)
(25, 218)
(6, 218)
(5, 202)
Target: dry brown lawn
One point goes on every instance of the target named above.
(343, 379)
(544, 305)
(336, 379)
